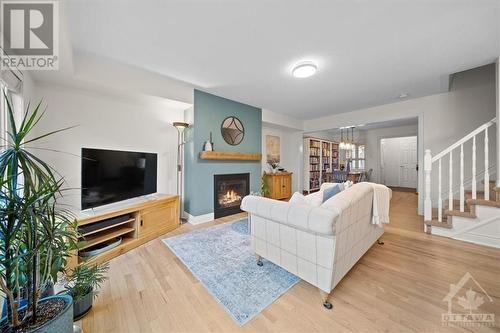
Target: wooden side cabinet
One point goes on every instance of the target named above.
(280, 185)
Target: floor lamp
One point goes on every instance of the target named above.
(180, 126)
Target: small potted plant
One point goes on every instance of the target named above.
(82, 283)
(264, 186)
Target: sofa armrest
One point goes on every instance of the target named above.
(305, 217)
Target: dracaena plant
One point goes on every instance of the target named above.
(36, 236)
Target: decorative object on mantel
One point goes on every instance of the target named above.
(209, 146)
(180, 126)
(272, 148)
(232, 130)
(230, 155)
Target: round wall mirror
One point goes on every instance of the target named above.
(232, 131)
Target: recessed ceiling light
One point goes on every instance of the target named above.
(304, 69)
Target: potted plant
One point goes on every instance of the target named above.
(36, 237)
(264, 186)
(81, 283)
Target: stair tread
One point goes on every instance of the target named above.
(435, 213)
(493, 185)
(483, 202)
(459, 213)
(436, 223)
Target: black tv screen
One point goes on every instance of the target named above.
(110, 175)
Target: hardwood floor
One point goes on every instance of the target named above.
(396, 287)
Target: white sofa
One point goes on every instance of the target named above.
(318, 244)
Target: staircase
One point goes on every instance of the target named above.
(462, 211)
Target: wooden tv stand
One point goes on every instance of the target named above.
(142, 222)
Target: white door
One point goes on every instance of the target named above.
(399, 161)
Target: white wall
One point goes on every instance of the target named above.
(290, 151)
(277, 119)
(108, 121)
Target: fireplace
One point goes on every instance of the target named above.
(229, 190)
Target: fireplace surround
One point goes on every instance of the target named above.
(229, 190)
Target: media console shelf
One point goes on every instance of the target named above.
(135, 224)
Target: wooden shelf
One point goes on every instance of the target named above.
(105, 256)
(108, 227)
(107, 236)
(230, 155)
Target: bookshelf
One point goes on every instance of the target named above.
(335, 156)
(320, 158)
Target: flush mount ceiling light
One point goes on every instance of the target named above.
(304, 69)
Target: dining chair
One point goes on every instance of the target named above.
(340, 176)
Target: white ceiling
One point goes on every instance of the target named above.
(368, 51)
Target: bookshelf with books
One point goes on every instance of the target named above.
(326, 161)
(335, 156)
(318, 162)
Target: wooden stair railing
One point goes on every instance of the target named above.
(472, 198)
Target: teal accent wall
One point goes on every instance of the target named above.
(206, 116)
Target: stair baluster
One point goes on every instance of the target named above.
(486, 166)
(474, 190)
(427, 201)
(440, 202)
(450, 182)
(462, 189)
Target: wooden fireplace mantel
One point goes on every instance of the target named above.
(230, 155)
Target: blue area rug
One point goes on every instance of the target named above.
(222, 259)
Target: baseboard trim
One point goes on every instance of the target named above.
(195, 220)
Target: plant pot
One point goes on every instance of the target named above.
(82, 306)
(49, 291)
(61, 323)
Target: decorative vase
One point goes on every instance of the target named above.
(208, 146)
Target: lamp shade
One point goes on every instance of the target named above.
(180, 124)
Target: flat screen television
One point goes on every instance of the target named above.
(109, 176)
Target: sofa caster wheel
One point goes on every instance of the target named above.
(327, 305)
(260, 263)
(379, 242)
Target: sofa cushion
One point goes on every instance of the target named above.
(298, 198)
(330, 192)
(325, 186)
(315, 199)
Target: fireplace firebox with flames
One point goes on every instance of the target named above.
(229, 190)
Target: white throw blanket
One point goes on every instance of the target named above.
(381, 199)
